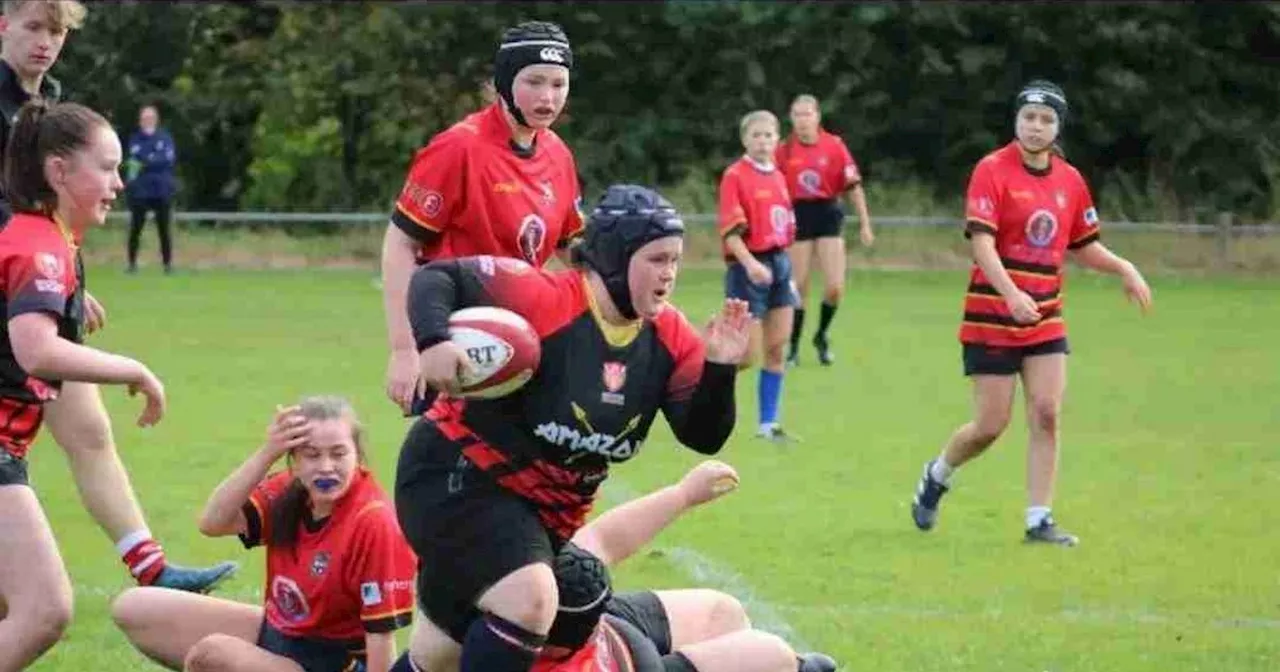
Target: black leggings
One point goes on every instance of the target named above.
(138, 208)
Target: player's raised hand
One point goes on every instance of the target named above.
(441, 367)
(402, 377)
(729, 334)
(288, 430)
(1136, 288)
(707, 481)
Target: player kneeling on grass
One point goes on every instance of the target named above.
(657, 631)
(339, 573)
(757, 226)
(1026, 208)
(488, 491)
(61, 174)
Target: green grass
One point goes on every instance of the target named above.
(1168, 474)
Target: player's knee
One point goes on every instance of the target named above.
(726, 615)
(129, 610)
(1044, 414)
(527, 597)
(45, 619)
(207, 655)
(988, 428)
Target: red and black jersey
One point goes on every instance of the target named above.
(755, 203)
(348, 574)
(470, 192)
(1035, 216)
(820, 171)
(594, 396)
(40, 272)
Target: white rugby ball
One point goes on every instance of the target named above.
(503, 350)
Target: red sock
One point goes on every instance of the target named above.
(145, 561)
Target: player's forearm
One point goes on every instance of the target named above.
(398, 263)
(858, 198)
(621, 531)
(707, 418)
(985, 255)
(55, 358)
(738, 248)
(221, 515)
(380, 651)
(1096, 256)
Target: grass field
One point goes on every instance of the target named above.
(1169, 472)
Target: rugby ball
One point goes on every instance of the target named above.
(502, 347)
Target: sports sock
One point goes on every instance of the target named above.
(769, 392)
(494, 644)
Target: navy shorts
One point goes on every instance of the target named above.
(988, 360)
(13, 470)
(818, 219)
(313, 654)
(762, 299)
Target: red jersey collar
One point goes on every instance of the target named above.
(493, 124)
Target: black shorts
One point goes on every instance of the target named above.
(644, 655)
(818, 219)
(987, 360)
(644, 610)
(13, 470)
(467, 531)
(313, 654)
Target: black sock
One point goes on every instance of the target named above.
(824, 318)
(494, 644)
(402, 664)
(797, 325)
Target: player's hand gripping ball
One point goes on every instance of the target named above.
(502, 351)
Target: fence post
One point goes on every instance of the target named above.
(1224, 239)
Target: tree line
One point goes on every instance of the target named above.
(320, 106)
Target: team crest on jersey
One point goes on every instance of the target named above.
(429, 202)
(533, 233)
(810, 181)
(289, 599)
(615, 377)
(1041, 228)
(49, 266)
(1060, 197)
(320, 563)
(780, 218)
(982, 205)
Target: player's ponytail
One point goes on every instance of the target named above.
(43, 130)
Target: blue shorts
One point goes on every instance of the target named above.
(762, 299)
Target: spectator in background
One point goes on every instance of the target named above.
(151, 184)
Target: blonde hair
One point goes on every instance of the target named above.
(755, 117)
(806, 99)
(67, 14)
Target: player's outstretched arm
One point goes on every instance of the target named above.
(703, 411)
(620, 532)
(1095, 255)
(223, 514)
(42, 353)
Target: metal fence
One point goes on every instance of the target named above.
(1223, 225)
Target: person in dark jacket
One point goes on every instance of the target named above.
(151, 185)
